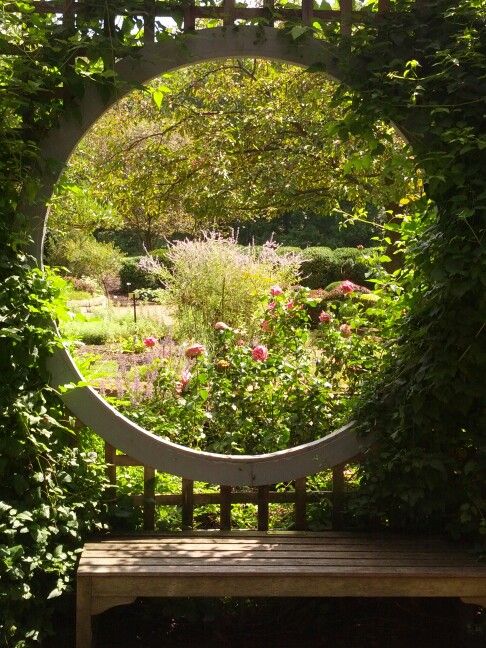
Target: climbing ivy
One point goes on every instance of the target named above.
(426, 72)
(423, 70)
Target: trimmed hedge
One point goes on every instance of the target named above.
(322, 266)
(131, 273)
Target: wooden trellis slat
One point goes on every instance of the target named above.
(262, 497)
(337, 497)
(236, 497)
(189, 18)
(187, 504)
(227, 11)
(149, 22)
(346, 17)
(263, 508)
(301, 504)
(307, 11)
(269, 8)
(148, 498)
(225, 508)
(110, 461)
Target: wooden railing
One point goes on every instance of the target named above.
(261, 496)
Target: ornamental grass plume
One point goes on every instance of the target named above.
(214, 279)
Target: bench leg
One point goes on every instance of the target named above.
(83, 612)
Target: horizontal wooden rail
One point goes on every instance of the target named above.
(228, 11)
(164, 10)
(236, 497)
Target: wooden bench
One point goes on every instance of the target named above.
(116, 571)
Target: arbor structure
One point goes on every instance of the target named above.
(422, 67)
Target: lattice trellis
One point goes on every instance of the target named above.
(229, 12)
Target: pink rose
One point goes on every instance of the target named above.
(184, 381)
(271, 306)
(195, 350)
(345, 330)
(221, 326)
(265, 326)
(259, 353)
(347, 287)
(150, 342)
(290, 304)
(325, 318)
(275, 291)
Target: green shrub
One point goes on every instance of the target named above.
(322, 266)
(88, 332)
(112, 328)
(154, 295)
(134, 277)
(84, 256)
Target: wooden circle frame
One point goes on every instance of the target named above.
(84, 402)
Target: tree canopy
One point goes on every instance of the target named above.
(230, 141)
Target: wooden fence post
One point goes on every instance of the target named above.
(337, 497)
(225, 508)
(187, 504)
(148, 498)
(263, 508)
(300, 504)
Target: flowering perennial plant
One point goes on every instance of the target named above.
(287, 383)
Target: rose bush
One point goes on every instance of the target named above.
(288, 383)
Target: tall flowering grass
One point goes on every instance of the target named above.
(213, 278)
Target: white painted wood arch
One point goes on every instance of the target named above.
(84, 402)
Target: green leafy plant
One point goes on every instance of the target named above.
(214, 278)
(253, 393)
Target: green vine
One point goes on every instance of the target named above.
(427, 73)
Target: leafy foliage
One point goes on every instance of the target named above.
(321, 266)
(262, 390)
(49, 493)
(228, 142)
(426, 71)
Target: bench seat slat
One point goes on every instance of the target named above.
(116, 571)
(265, 555)
(345, 570)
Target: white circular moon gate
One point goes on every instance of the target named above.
(151, 61)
